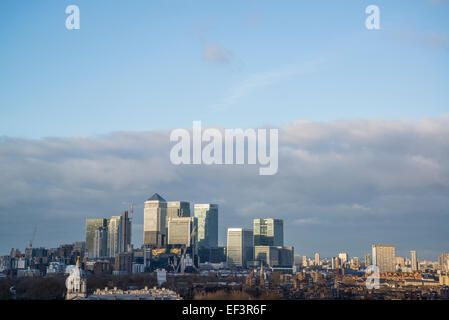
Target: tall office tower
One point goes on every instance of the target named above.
(414, 260)
(176, 209)
(114, 235)
(240, 247)
(317, 259)
(154, 218)
(367, 260)
(100, 249)
(125, 237)
(207, 215)
(344, 257)
(92, 225)
(268, 232)
(443, 262)
(181, 231)
(384, 257)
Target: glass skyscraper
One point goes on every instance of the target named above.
(92, 225)
(240, 247)
(268, 232)
(207, 215)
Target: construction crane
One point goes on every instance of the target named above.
(131, 205)
(34, 235)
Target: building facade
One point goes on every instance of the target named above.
(182, 231)
(207, 215)
(154, 229)
(414, 260)
(268, 232)
(384, 257)
(240, 247)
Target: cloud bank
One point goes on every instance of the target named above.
(341, 185)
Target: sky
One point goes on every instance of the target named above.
(85, 116)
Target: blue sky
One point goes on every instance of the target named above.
(371, 165)
(144, 65)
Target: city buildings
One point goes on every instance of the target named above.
(182, 231)
(155, 212)
(176, 209)
(443, 262)
(272, 256)
(268, 232)
(384, 257)
(100, 248)
(240, 246)
(344, 257)
(207, 215)
(106, 237)
(92, 225)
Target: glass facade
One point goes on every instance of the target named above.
(268, 232)
(240, 247)
(207, 215)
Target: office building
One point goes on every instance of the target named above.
(182, 231)
(268, 232)
(114, 235)
(92, 226)
(272, 256)
(414, 260)
(240, 247)
(154, 229)
(317, 259)
(125, 236)
(176, 209)
(384, 257)
(207, 215)
(100, 249)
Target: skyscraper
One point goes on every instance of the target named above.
(125, 237)
(414, 260)
(207, 215)
(240, 247)
(92, 226)
(180, 231)
(100, 248)
(176, 209)
(268, 232)
(114, 235)
(154, 230)
(317, 259)
(384, 257)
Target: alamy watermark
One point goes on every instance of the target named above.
(190, 150)
(372, 281)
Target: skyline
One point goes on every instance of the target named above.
(340, 185)
(363, 117)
